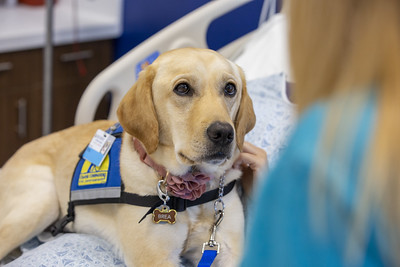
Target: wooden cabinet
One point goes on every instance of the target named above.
(20, 100)
(21, 83)
(74, 68)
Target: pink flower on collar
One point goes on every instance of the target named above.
(189, 186)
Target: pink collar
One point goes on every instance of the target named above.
(189, 186)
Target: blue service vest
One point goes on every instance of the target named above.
(103, 182)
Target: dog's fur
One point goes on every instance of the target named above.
(35, 182)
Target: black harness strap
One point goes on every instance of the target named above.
(153, 202)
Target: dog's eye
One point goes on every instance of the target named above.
(183, 89)
(230, 89)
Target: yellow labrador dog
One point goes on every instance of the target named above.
(187, 115)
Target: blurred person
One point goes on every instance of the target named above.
(333, 197)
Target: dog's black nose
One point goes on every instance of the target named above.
(220, 133)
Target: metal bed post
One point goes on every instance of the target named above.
(48, 70)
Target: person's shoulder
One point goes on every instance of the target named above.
(311, 121)
(314, 113)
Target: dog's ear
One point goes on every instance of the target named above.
(245, 118)
(136, 112)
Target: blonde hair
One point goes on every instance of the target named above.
(342, 47)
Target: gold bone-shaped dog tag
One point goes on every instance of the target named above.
(164, 214)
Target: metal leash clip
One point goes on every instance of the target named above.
(212, 243)
(219, 207)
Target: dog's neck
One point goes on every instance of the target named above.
(188, 186)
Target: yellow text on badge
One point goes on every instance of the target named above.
(91, 174)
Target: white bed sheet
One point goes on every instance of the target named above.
(70, 250)
(275, 117)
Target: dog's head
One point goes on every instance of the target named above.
(193, 101)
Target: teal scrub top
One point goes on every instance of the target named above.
(280, 232)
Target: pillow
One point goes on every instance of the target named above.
(266, 53)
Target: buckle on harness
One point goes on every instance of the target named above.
(58, 227)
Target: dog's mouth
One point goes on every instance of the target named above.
(186, 159)
(217, 158)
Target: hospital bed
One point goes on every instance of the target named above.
(190, 31)
(263, 56)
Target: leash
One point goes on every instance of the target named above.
(208, 258)
(210, 254)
